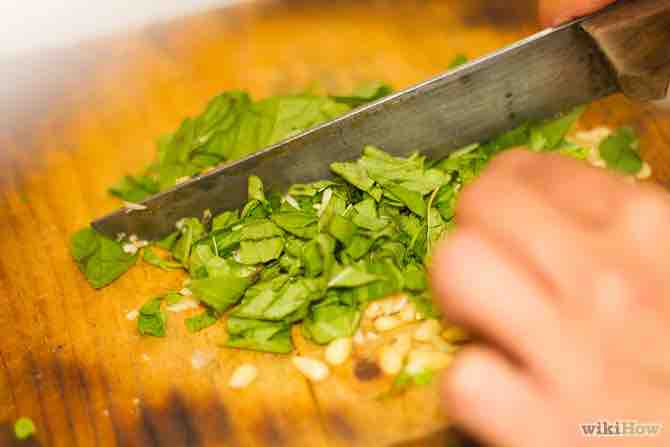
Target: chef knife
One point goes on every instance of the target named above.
(623, 48)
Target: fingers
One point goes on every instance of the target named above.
(555, 12)
(485, 394)
(642, 227)
(548, 262)
(664, 104)
(564, 205)
(486, 288)
(644, 219)
(506, 207)
(591, 196)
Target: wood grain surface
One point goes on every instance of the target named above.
(73, 121)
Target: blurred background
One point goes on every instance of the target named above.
(49, 47)
(57, 23)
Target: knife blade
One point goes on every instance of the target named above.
(539, 77)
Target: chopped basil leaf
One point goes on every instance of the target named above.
(365, 93)
(152, 319)
(191, 230)
(351, 277)
(231, 126)
(413, 200)
(202, 321)
(342, 229)
(327, 322)
(298, 223)
(457, 61)
(259, 335)
(100, 259)
(258, 252)
(551, 133)
(173, 298)
(220, 292)
(404, 380)
(224, 220)
(24, 428)
(135, 188)
(168, 242)
(150, 257)
(620, 151)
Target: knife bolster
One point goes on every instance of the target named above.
(635, 37)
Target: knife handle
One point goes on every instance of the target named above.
(634, 35)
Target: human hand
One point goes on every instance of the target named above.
(555, 12)
(563, 271)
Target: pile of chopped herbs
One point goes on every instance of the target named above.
(233, 126)
(319, 253)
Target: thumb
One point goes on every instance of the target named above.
(555, 12)
(664, 104)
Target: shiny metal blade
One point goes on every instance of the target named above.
(536, 78)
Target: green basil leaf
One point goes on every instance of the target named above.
(150, 257)
(261, 229)
(100, 259)
(135, 188)
(289, 300)
(331, 321)
(255, 188)
(225, 220)
(336, 206)
(191, 231)
(354, 174)
(366, 216)
(351, 277)
(312, 259)
(390, 281)
(457, 61)
(262, 251)
(415, 278)
(370, 91)
(24, 428)
(516, 137)
(290, 265)
(224, 241)
(84, 244)
(424, 305)
(342, 229)
(573, 150)
(359, 247)
(258, 335)
(620, 151)
(167, 243)
(411, 199)
(297, 223)
(202, 321)
(173, 298)
(550, 134)
(327, 247)
(152, 320)
(254, 209)
(220, 292)
(255, 306)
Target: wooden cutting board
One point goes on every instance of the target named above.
(78, 119)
